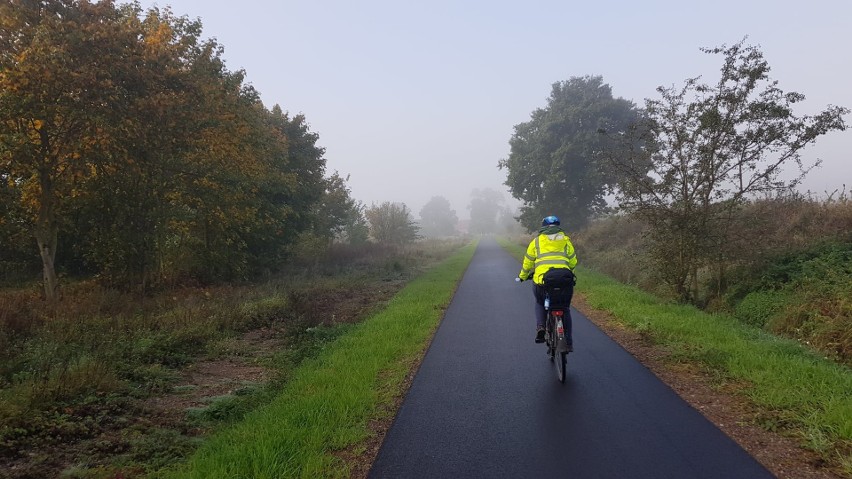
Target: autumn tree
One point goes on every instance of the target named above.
(712, 147)
(65, 71)
(437, 218)
(391, 223)
(127, 131)
(137, 196)
(556, 161)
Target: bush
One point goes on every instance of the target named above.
(759, 306)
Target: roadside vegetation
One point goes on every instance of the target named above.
(107, 384)
(326, 408)
(789, 268)
(797, 390)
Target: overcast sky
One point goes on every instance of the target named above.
(418, 99)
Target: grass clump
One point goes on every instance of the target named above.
(326, 405)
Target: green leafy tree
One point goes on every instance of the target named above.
(16, 258)
(711, 147)
(391, 223)
(556, 161)
(437, 218)
(339, 217)
(356, 229)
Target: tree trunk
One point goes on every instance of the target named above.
(46, 237)
(46, 230)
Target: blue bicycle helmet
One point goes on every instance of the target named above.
(550, 220)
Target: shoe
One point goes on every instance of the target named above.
(539, 335)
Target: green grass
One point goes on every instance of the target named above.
(796, 390)
(326, 406)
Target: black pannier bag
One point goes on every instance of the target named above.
(560, 282)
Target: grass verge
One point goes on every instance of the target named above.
(327, 405)
(796, 391)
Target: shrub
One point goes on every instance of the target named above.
(759, 306)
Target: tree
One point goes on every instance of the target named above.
(556, 164)
(16, 259)
(339, 216)
(391, 223)
(139, 193)
(485, 206)
(710, 148)
(357, 229)
(128, 134)
(437, 218)
(67, 67)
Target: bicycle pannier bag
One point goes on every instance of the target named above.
(559, 283)
(559, 278)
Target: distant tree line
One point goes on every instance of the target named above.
(128, 150)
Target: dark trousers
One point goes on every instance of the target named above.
(541, 313)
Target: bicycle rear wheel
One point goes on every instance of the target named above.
(561, 359)
(550, 337)
(560, 354)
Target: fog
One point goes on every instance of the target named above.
(416, 101)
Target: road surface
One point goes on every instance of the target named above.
(486, 402)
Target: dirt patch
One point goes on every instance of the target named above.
(724, 407)
(204, 380)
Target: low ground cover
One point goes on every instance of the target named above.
(113, 384)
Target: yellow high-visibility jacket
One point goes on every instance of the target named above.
(552, 248)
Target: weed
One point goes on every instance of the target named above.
(159, 448)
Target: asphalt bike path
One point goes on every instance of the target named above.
(486, 402)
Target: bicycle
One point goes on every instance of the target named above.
(557, 343)
(557, 300)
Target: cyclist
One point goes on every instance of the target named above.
(550, 251)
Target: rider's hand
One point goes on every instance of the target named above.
(519, 280)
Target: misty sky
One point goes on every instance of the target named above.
(415, 100)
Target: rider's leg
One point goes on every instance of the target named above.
(540, 313)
